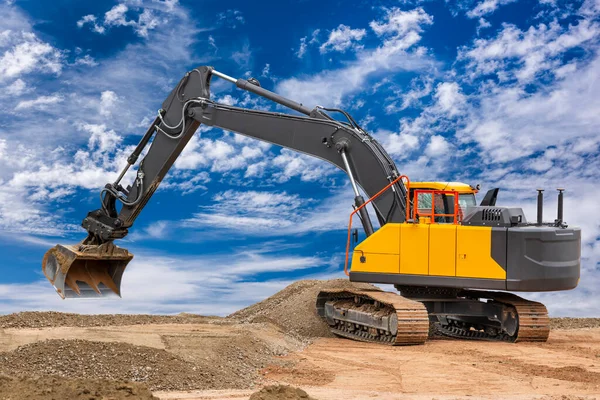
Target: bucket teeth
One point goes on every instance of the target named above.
(83, 274)
(72, 283)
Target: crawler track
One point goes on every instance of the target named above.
(532, 317)
(406, 321)
(534, 323)
(388, 318)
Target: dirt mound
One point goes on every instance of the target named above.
(42, 319)
(21, 388)
(574, 323)
(281, 392)
(159, 369)
(293, 308)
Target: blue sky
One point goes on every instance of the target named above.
(497, 92)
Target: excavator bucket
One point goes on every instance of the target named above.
(86, 270)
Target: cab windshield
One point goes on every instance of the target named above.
(444, 203)
(466, 200)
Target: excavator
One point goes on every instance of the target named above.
(453, 262)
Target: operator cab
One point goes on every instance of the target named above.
(444, 203)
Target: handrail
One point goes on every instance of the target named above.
(433, 214)
(376, 195)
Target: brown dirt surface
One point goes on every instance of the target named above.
(574, 323)
(113, 361)
(45, 319)
(224, 365)
(281, 392)
(293, 308)
(189, 357)
(38, 388)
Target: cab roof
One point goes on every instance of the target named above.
(456, 186)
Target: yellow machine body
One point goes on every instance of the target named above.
(430, 249)
(427, 249)
(435, 249)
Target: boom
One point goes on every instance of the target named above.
(345, 145)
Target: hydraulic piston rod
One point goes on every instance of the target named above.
(358, 199)
(256, 89)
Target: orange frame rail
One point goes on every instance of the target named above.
(433, 214)
(376, 195)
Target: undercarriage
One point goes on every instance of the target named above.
(419, 313)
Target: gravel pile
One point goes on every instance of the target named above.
(281, 392)
(293, 308)
(574, 323)
(158, 369)
(35, 319)
(44, 388)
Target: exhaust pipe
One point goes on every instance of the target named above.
(559, 216)
(86, 270)
(540, 206)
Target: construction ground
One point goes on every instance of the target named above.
(279, 349)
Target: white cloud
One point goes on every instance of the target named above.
(399, 23)
(91, 19)
(81, 148)
(29, 54)
(531, 52)
(511, 123)
(220, 155)
(227, 99)
(266, 70)
(2, 147)
(449, 98)
(86, 60)
(401, 32)
(438, 146)
(302, 49)
(268, 214)
(185, 182)
(291, 164)
(419, 88)
(487, 7)
(242, 57)
(146, 21)
(590, 8)
(482, 24)
(16, 88)
(148, 17)
(252, 210)
(108, 102)
(40, 103)
(212, 43)
(304, 43)
(398, 145)
(231, 18)
(22, 215)
(190, 283)
(116, 16)
(343, 38)
(101, 139)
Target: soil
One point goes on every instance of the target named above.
(184, 357)
(278, 342)
(84, 359)
(46, 388)
(293, 308)
(574, 323)
(36, 319)
(281, 392)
